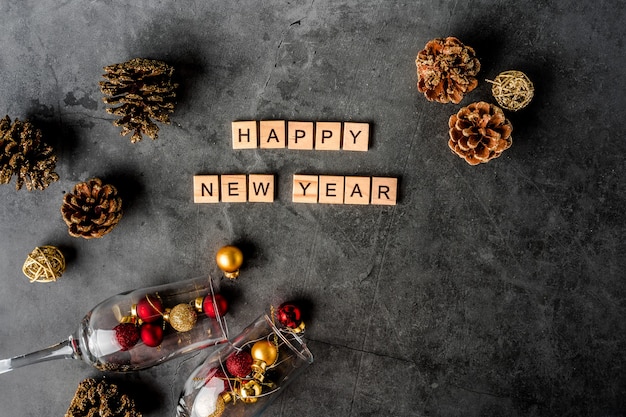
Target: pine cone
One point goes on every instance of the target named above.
(24, 154)
(446, 70)
(144, 90)
(99, 399)
(479, 133)
(92, 209)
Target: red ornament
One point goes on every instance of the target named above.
(126, 335)
(151, 334)
(239, 364)
(289, 315)
(209, 308)
(149, 309)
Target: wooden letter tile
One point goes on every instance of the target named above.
(300, 135)
(260, 188)
(331, 189)
(304, 188)
(328, 136)
(234, 188)
(272, 134)
(384, 191)
(245, 135)
(357, 190)
(356, 136)
(206, 189)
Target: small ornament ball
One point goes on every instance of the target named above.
(229, 259)
(151, 334)
(264, 351)
(182, 317)
(209, 307)
(289, 315)
(149, 309)
(126, 335)
(239, 364)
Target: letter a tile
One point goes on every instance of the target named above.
(357, 190)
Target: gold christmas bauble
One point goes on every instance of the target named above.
(229, 259)
(249, 391)
(182, 317)
(264, 351)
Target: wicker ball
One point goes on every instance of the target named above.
(44, 264)
(513, 90)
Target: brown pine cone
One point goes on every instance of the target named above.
(100, 399)
(144, 91)
(92, 209)
(24, 154)
(446, 70)
(479, 133)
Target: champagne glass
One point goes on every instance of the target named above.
(138, 329)
(243, 377)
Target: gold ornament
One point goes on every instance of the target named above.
(44, 264)
(182, 317)
(229, 260)
(264, 354)
(250, 391)
(513, 90)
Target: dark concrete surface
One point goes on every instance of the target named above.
(495, 290)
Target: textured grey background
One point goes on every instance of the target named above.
(487, 291)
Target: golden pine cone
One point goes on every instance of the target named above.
(144, 91)
(479, 133)
(446, 70)
(24, 154)
(100, 398)
(92, 209)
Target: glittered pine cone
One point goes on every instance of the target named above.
(25, 155)
(92, 209)
(446, 70)
(100, 399)
(143, 91)
(479, 133)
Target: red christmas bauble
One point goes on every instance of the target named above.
(209, 308)
(149, 309)
(289, 315)
(239, 364)
(151, 334)
(126, 335)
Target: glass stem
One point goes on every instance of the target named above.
(64, 350)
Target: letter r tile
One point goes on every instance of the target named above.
(384, 191)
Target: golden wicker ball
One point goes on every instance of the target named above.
(512, 89)
(44, 264)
